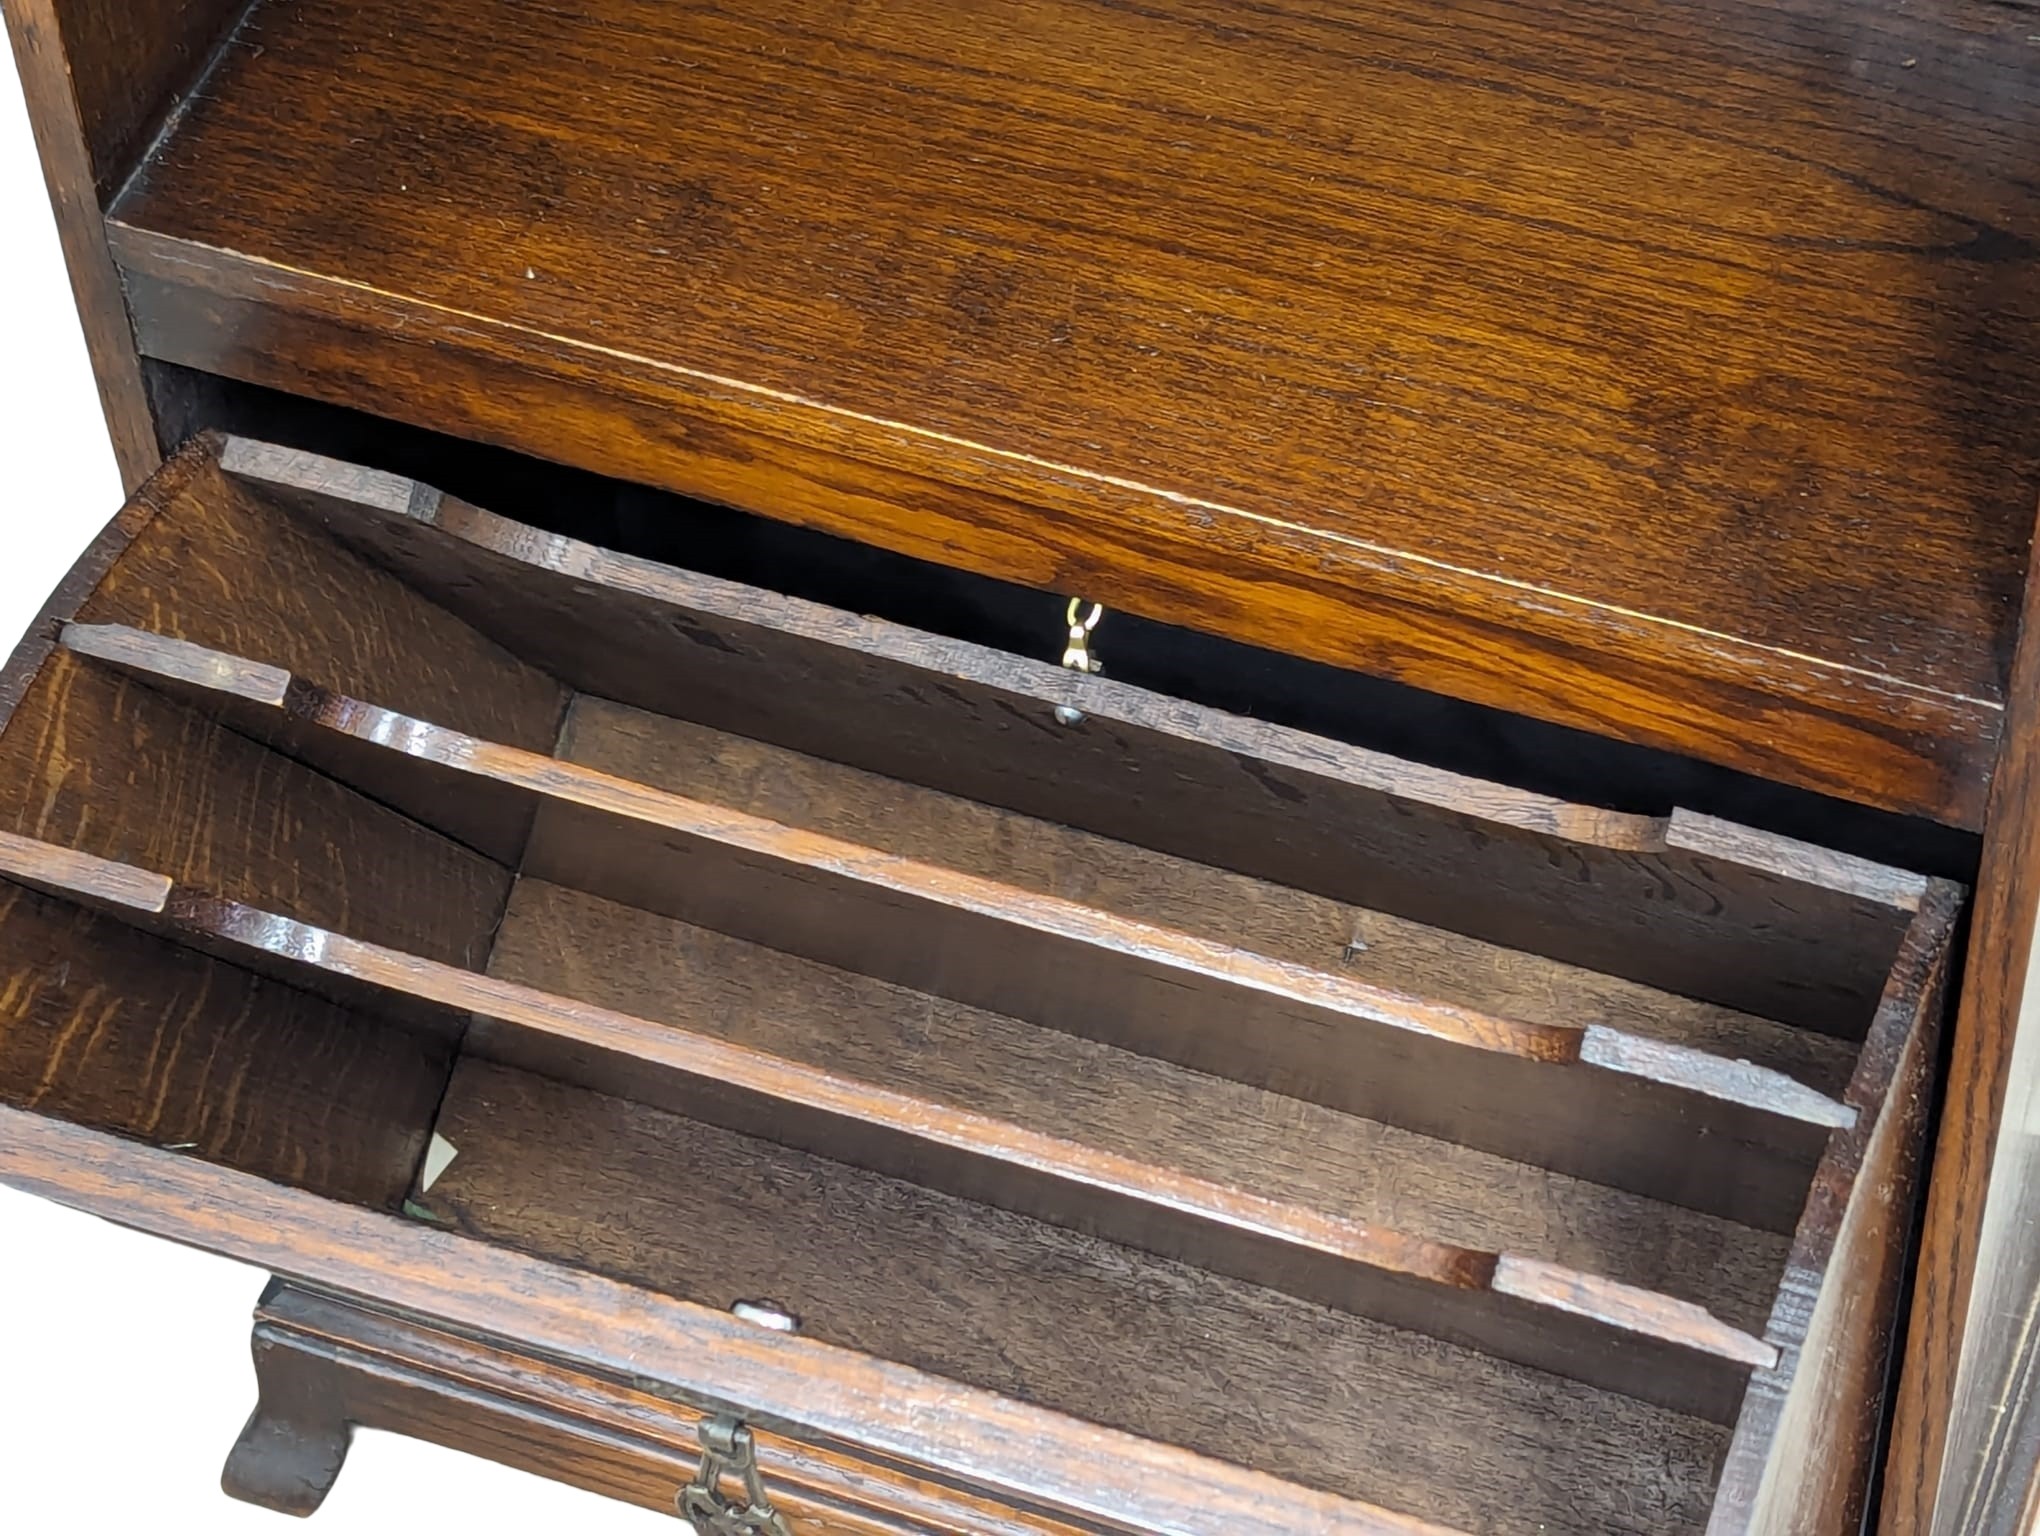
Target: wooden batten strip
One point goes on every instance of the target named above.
(1666, 1121)
(1614, 1336)
(794, 1386)
(1801, 1462)
(1685, 903)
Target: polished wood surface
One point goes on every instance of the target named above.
(1682, 902)
(1582, 1098)
(326, 1367)
(1994, 1007)
(50, 54)
(703, 1355)
(1647, 370)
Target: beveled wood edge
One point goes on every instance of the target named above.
(1612, 1335)
(96, 287)
(807, 1390)
(1908, 1023)
(268, 466)
(553, 780)
(1825, 726)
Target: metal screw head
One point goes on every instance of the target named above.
(1067, 715)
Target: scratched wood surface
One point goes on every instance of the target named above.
(1034, 1313)
(1654, 371)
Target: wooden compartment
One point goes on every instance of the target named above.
(1208, 1124)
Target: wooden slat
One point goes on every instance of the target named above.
(1279, 921)
(219, 565)
(595, 951)
(1125, 1339)
(1616, 1336)
(1667, 1121)
(1805, 1451)
(1684, 903)
(793, 1385)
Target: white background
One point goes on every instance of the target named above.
(124, 1372)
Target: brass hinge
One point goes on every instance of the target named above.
(727, 1451)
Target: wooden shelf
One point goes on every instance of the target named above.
(1637, 371)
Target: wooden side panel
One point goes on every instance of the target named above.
(1803, 1458)
(131, 61)
(64, 136)
(112, 766)
(221, 565)
(1986, 1030)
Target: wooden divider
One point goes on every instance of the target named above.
(1666, 1121)
(1683, 902)
(951, 1432)
(1614, 1336)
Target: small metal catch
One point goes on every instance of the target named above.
(727, 1451)
(1077, 655)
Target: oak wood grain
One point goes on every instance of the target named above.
(1804, 1457)
(579, 946)
(1522, 1308)
(878, 811)
(1648, 373)
(389, 1373)
(707, 1357)
(65, 128)
(1122, 1339)
(1667, 1120)
(108, 1027)
(1986, 1029)
(1683, 902)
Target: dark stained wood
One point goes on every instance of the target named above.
(296, 1440)
(391, 1374)
(1686, 903)
(109, 1027)
(131, 62)
(1521, 1308)
(791, 1385)
(1653, 374)
(1805, 1450)
(107, 764)
(220, 566)
(51, 83)
(899, 817)
(853, 1026)
(1986, 1029)
(1135, 1343)
(1666, 1120)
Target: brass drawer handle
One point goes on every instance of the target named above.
(727, 1449)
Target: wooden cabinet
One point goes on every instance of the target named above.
(553, 821)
